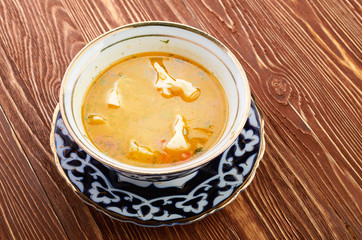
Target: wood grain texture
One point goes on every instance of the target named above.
(303, 60)
(22, 196)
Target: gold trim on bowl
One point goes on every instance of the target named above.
(157, 223)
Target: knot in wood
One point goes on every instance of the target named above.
(280, 88)
(279, 85)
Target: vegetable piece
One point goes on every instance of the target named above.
(179, 141)
(186, 155)
(164, 159)
(114, 99)
(96, 119)
(204, 130)
(139, 152)
(198, 150)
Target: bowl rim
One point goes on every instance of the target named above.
(110, 162)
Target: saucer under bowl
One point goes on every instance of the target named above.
(164, 203)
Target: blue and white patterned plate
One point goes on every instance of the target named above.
(165, 203)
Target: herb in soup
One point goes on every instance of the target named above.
(155, 110)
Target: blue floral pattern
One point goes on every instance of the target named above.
(165, 202)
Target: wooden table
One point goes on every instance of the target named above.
(303, 60)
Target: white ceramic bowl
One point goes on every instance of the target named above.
(155, 37)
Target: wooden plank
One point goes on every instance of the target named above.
(302, 61)
(29, 102)
(25, 210)
(32, 66)
(305, 75)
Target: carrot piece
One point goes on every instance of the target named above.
(186, 155)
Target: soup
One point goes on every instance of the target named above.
(154, 110)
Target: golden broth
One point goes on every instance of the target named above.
(129, 117)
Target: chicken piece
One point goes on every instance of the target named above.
(139, 152)
(114, 99)
(96, 119)
(179, 141)
(171, 87)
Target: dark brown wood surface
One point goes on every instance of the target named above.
(303, 60)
